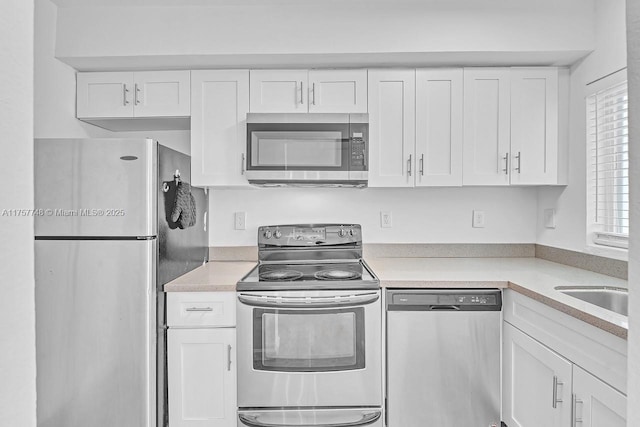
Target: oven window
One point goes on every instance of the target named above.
(309, 340)
(296, 149)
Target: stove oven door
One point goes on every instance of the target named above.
(309, 349)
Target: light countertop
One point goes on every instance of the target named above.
(533, 277)
(214, 276)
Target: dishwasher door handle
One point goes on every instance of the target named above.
(445, 308)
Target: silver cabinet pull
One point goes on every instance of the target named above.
(228, 357)
(506, 164)
(422, 164)
(125, 101)
(519, 159)
(242, 165)
(409, 165)
(556, 383)
(192, 309)
(301, 94)
(576, 419)
(251, 420)
(136, 95)
(313, 91)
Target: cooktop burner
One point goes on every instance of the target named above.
(280, 275)
(337, 275)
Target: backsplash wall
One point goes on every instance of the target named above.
(419, 215)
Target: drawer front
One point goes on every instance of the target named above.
(201, 309)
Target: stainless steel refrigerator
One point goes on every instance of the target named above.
(105, 245)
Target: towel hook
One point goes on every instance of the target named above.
(176, 176)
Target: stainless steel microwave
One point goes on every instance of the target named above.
(307, 149)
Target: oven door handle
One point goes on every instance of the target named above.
(368, 418)
(308, 302)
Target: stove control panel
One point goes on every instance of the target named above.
(309, 235)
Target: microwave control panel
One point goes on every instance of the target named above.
(357, 149)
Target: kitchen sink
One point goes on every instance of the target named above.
(607, 297)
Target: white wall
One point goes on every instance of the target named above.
(17, 316)
(55, 92)
(633, 49)
(570, 202)
(315, 28)
(420, 215)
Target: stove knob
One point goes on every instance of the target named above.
(352, 232)
(267, 234)
(342, 232)
(277, 234)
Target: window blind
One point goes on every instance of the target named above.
(608, 139)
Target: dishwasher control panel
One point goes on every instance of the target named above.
(444, 300)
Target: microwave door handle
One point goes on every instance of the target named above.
(312, 302)
(367, 418)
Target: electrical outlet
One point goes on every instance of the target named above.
(240, 220)
(478, 219)
(386, 220)
(550, 218)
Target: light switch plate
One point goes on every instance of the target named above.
(240, 220)
(478, 219)
(550, 218)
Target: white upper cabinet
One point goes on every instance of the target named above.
(220, 101)
(536, 387)
(511, 130)
(486, 126)
(333, 91)
(129, 94)
(104, 95)
(161, 93)
(302, 91)
(392, 117)
(534, 125)
(595, 403)
(439, 121)
(278, 91)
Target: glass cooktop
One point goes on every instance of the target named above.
(335, 275)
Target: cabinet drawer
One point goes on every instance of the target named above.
(201, 309)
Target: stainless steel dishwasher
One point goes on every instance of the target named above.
(443, 357)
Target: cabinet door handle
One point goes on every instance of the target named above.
(192, 309)
(409, 165)
(242, 165)
(576, 419)
(136, 95)
(125, 101)
(556, 383)
(301, 94)
(519, 159)
(422, 164)
(228, 357)
(313, 91)
(506, 164)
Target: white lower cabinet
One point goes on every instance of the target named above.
(596, 404)
(201, 359)
(536, 383)
(202, 377)
(542, 388)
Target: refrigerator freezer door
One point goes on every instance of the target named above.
(95, 333)
(95, 187)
